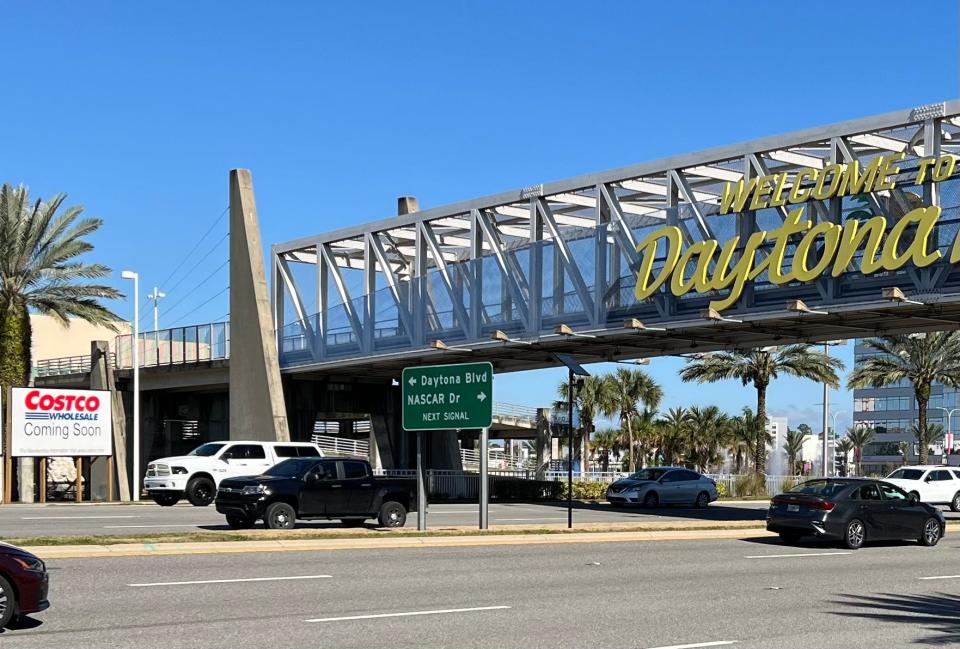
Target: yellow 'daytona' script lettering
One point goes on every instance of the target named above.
(819, 248)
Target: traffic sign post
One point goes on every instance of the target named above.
(449, 397)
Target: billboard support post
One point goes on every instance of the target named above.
(79, 489)
(42, 484)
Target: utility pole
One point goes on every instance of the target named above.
(156, 296)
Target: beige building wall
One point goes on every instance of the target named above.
(52, 340)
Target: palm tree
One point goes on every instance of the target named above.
(925, 439)
(743, 440)
(845, 446)
(587, 401)
(759, 367)
(903, 448)
(41, 270)
(793, 446)
(621, 394)
(674, 428)
(607, 443)
(710, 429)
(920, 358)
(859, 437)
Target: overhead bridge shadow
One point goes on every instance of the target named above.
(937, 616)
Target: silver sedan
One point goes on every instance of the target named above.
(666, 485)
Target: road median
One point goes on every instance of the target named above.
(372, 538)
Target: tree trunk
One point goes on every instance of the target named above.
(15, 338)
(760, 452)
(923, 398)
(631, 464)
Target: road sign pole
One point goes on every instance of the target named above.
(421, 487)
(570, 380)
(484, 478)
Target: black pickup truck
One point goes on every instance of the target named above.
(311, 488)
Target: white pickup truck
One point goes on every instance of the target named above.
(198, 474)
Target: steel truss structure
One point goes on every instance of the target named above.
(517, 276)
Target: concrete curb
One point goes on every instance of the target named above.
(360, 543)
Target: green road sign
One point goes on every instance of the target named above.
(445, 397)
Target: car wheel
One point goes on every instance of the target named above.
(240, 522)
(855, 535)
(703, 499)
(930, 535)
(651, 499)
(392, 514)
(201, 492)
(8, 603)
(790, 538)
(353, 522)
(280, 516)
(166, 500)
(955, 503)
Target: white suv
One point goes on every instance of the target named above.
(935, 485)
(198, 474)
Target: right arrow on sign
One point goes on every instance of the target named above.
(482, 396)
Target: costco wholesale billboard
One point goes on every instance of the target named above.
(66, 423)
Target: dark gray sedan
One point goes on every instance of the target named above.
(854, 511)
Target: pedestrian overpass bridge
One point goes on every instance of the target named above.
(519, 276)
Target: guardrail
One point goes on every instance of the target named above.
(501, 409)
(341, 446)
(65, 365)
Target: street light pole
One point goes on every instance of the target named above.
(826, 411)
(129, 274)
(948, 436)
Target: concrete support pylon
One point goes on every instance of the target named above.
(103, 378)
(257, 410)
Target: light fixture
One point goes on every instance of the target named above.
(564, 330)
(501, 336)
(714, 315)
(439, 345)
(799, 306)
(894, 294)
(637, 325)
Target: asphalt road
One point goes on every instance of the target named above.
(755, 593)
(67, 519)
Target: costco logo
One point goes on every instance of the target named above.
(46, 406)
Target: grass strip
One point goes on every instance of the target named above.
(288, 535)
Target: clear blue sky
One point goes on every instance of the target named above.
(138, 111)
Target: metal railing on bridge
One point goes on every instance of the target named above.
(175, 346)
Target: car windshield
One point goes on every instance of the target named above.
(292, 468)
(821, 488)
(207, 450)
(906, 474)
(648, 474)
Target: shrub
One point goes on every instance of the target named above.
(585, 490)
(508, 488)
(721, 489)
(788, 484)
(751, 485)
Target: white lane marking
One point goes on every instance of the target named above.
(717, 643)
(503, 520)
(806, 554)
(467, 511)
(940, 577)
(67, 518)
(125, 527)
(226, 581)
(441, 611)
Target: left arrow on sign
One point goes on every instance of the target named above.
(412, 381)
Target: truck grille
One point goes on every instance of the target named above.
(158, 470)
